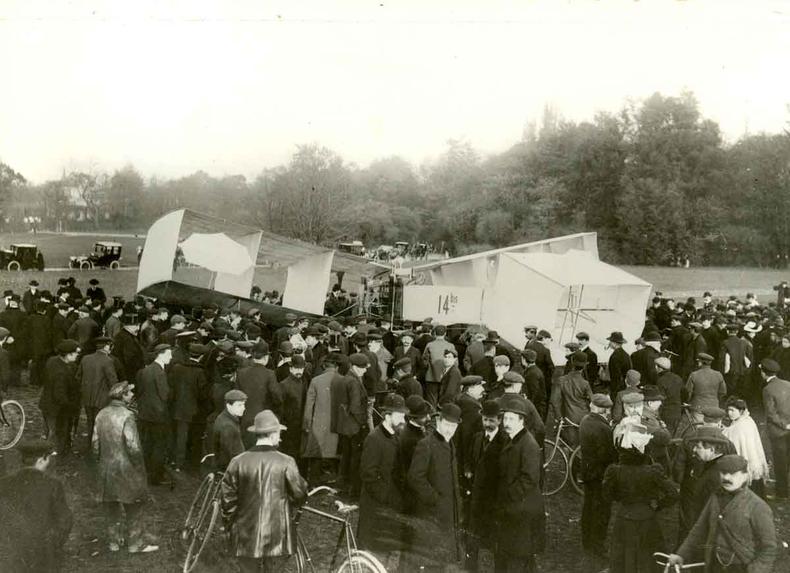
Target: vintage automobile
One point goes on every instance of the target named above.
(21, 257)
(105, 255)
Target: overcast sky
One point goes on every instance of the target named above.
(233, 87)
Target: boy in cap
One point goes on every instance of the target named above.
(450, 380)
(225, 437)
(671, 386)
(405, 384)
(257, 491)
(776, 399)
(123, 482)
(382, 498)
(735, 530)
(632, 381)
(36, 519)
(597, 453)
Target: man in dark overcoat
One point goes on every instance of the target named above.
(591, 371)
(153, 394)
(31, 296)
(15, 321)
(643, 360)
(351, 412)
(671, 386)
(534, 384)
(433, 479)
(380, 527)
(519, 501)
(96, 374)
(598, 451)
(39, 333)
(776, 400)
(60, 323)
(619, 364)
(470, 405)
(294, 390)
(126, 346)
(36, 519)
(405, 383)
(571, 395)
(188, 387)
(260, 385)
(60, 396)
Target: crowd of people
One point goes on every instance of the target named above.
(436, 433)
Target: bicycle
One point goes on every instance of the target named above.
(561, 461)
(201, 518)
(356, 561)
(12, 424)
(663, 560)
(685, 428)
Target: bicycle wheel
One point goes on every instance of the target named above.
(361, 562)
(200, 502)
(304, 563)
(201, 536)
(575, 468)
(12, 424)
(555, 468)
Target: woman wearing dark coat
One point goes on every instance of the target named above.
(641, 488)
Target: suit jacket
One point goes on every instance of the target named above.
(776, 398)
(450, 385)
(97, 374)
(643, 361)
(188, 387)
(570, 397)
(153, 394)
(705, 387)
(535, 388)
(597, 447)
(262, 390)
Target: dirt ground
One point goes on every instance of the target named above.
(87, 550)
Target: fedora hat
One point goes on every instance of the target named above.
(616, 337)
(265, 422)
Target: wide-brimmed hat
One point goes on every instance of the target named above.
(265, 422)
(753, 327)
(616, 337)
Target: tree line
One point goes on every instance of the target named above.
(655, 180)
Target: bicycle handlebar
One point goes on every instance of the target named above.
(320, 488)
(677, 568)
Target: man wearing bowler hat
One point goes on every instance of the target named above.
(598, 452)
(257, 491)
(619, 364)
(776, 399)
(433, 479)
(643, 360)
(31, 297)
(380, 528)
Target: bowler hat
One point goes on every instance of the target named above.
(286, 348)
(491, 409)
(394, 403)
(67, 346)
(34, 448)
(197, 349)
(265, 422)
(653, 393)
(492, 337)
(260, 349)
(652, 336)
(298, 361)
(450, 412)
(417, 406)
(403, 364)
(33, 283)
(616, 337)
(515, 403)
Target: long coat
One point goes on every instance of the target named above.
(483, 462)
(225, 439)
(671, 386)
(122, 474)
(643, 361)
(450, 385)
(433, 478)
(471, 423)
(59, 329)
(188, 384)
(153, 394)
(776, 399)
(257, 491)
(519, 500)
(320, 441)
(293, 393)
(39, 335)
(706, 388)
(61, 389)
(349, 405)
(15, 321)
(97, 375)
(263, 392)
(619, 364)
(381, 500)
(570, 397)
(130, 352)
(535, 388)
(597, 447)
(36, 521)
(749, 521)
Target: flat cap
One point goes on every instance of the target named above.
(709, 434)
(403, 362)
(582, 336)
(359, 360)
(731, 464)
(663, 362)
(632, 378)
(770, 365)
(633, 398)
(702, 356)
(235, 396)
(102, 340)
(161, 347)
(530, 327)
(471, 380)
(177, 319)
(197, 349)
(529, 354)
(601, 400)
(511, 378)
(579, 358)
(119, 389)
(572, 346)
(335, 326)
(67, 346)
(501, 360)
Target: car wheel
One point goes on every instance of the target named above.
(14, 266)
(85, 265)
(115, 265)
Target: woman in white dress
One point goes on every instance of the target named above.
(744, 435)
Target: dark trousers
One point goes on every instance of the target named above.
(154, 438)
(128, 527)
(63, 431)
(262, 564)
(432, 393)
(350, 448)
(780, 448)
(504, 563)
(595, 517)
(185, 442)
(90, 415)
(37, 370)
